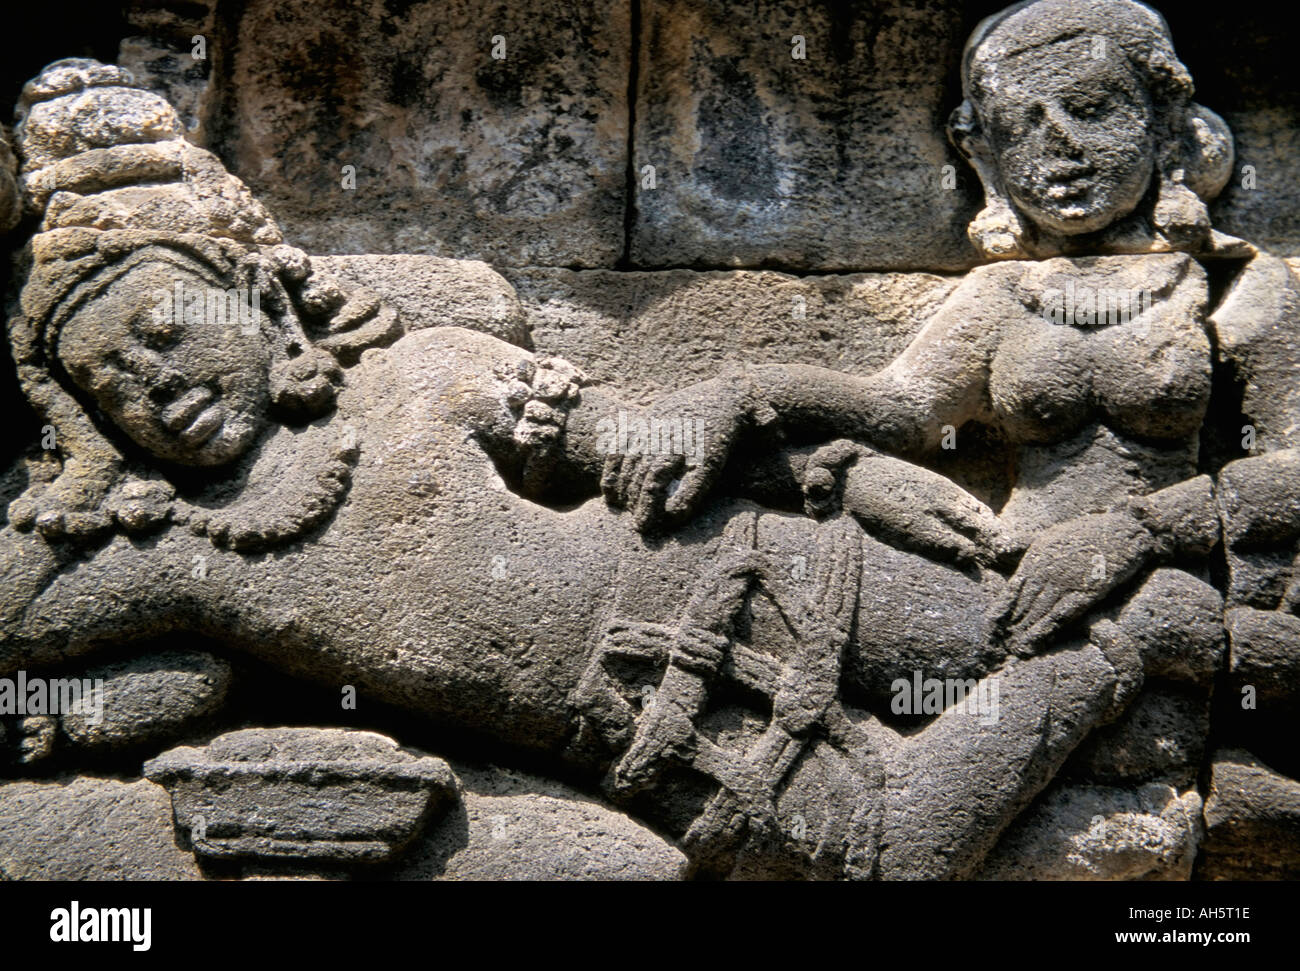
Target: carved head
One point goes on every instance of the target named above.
(160, 305)
(1079, 121)
(188, 388)
(188, 346)
(152, 289)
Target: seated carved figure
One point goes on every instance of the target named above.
(1084, 348)
(1096, 370)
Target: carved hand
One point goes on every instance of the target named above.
(1068, 570)
(664, 461)
(902, 502)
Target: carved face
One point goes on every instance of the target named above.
(1070, 127)
(185, 384)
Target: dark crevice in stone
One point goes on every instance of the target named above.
(223, 99)
(633, 80)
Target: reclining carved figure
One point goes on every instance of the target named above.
(428, 516)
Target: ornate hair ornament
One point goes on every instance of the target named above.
(121, 196)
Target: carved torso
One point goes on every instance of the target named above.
(1147, 377)
(1100, 410)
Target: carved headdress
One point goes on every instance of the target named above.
(105, 168)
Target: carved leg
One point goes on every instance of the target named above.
(146, 700)
(813, 608)
(953, 788)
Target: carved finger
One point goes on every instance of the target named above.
(649, 508)
(838, 583)
(610, 480)
(1034, 604)
(695, 485)
(1010, 606)
(835, 455)
(1060, 614)
(631, 481)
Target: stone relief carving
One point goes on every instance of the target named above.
(715, 637)
(1079, 121)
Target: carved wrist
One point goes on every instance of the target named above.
(541, 397)
(752, 406)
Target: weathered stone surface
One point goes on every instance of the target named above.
(1259, 341)
(697, 539)
(170, 70)
(173, 56)
(1179, 620)
(512, 826)
(35, 738)
(1264, 656)
(10, 200)
(1261, 202)
(871, 97)
(89, 829)
(1098, 833)
(149, 700)
(78, 105)
(518, 160)
(835, 161)
(1161, 737)
(648, 333)
(428, 291)
(1252, 819)
(337, 796)
(1259, 499)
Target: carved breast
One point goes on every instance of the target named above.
(1119, 340)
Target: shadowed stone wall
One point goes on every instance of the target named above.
(749, 147)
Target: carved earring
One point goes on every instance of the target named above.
(303, 379)
(997, 231)
(1180, 217)
(306, 385)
